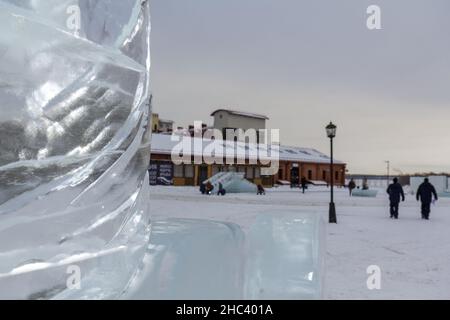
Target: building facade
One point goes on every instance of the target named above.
(233, 120)
(160, 125)
(294, 163)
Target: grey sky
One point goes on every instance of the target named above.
(304, 63)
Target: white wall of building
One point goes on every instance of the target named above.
(223, 119)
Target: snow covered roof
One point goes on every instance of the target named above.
(166, 121)
(242, 113)
(165, 144)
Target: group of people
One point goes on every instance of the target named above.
(352, 186)
(425, 193)
(208, 189)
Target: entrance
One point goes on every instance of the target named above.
(295, 177)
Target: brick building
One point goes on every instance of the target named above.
(293, 162)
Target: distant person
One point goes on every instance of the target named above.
(209, 188)
(395, 191)
(202, 188)
(425, 194)
(221, 191)
(261, 191)
(304, 184)
(365, 185)
(351, 186)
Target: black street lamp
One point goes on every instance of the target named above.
(331, 133)
(388, 163)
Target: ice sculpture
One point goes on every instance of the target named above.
(74, 153)
(232, 182)
(74, 144)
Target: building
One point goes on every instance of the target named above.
(294, 162)
(231, 119)
(161, 126)
(155, 122)
(166, 126)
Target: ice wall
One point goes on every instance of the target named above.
(74, 143)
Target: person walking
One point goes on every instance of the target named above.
(304, 184)
(395, 191)
(351, 186)
(425, 194)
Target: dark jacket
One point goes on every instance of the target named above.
(352, 185)
(395, 192)
(304, 182)
(426, 192)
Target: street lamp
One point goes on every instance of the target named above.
(388, 163)
(331, 133)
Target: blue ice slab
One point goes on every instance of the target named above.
(365, 193)
(444, 194)
(190, 260)
(280, 258)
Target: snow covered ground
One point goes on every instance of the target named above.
(413, 254)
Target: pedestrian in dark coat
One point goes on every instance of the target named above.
(395, 191)
(425, 194)
(304, 184)
(261, 190)
(351, 186)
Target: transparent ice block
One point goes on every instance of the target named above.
(74, 144)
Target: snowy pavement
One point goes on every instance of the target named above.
(413, 254)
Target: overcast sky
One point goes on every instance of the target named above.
(304, 63)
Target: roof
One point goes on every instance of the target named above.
(166, 121)
(241, 113)
(165, 144)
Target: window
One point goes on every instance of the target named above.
(178, 171)
(310, 174)
(336, 175)
(189, 171)
(241, 169)
(324, 175)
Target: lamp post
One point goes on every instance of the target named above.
(388, 171)
(331, 133)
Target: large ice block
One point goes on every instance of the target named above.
(74, 143)
(281, 257)
(285, 257)
(74, 153)
(191, 260)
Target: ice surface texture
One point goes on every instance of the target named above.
(281, 257)
(74, 144)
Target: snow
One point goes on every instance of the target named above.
(413, 254)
